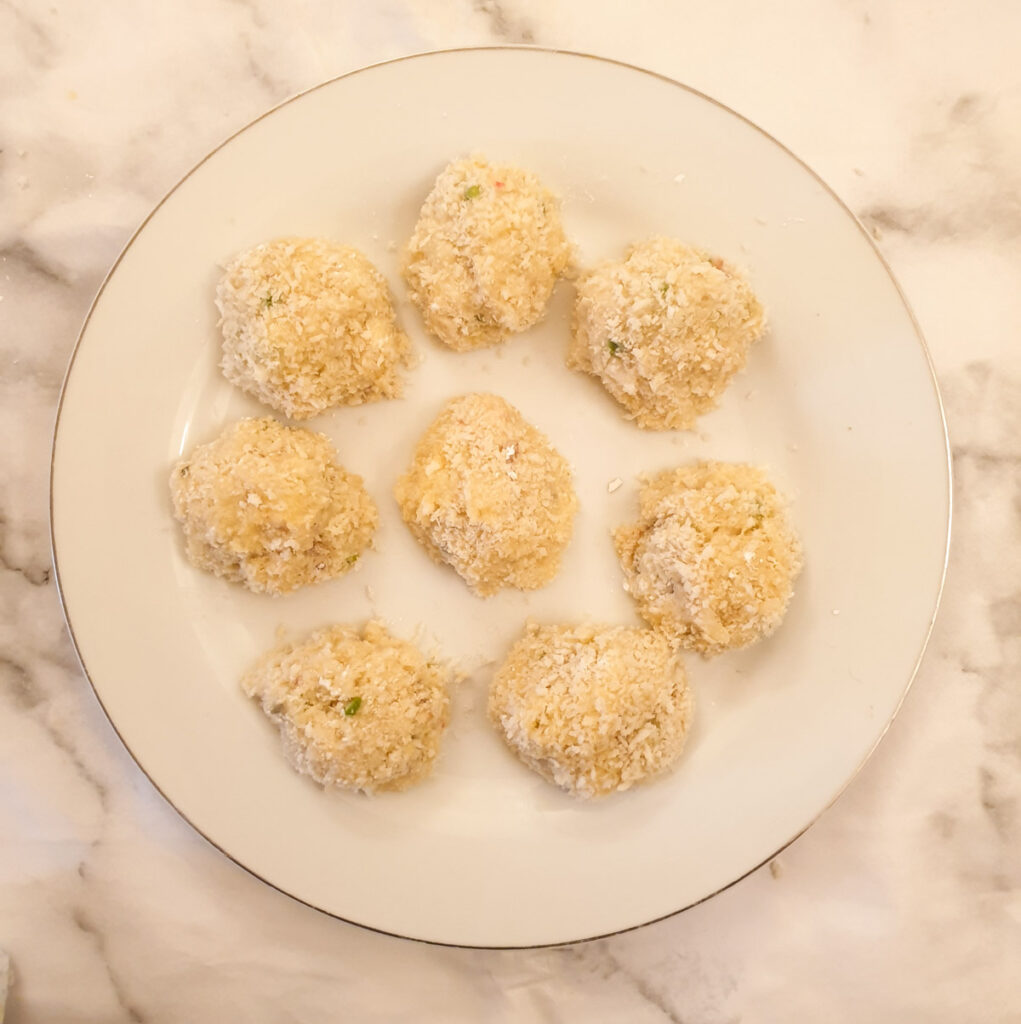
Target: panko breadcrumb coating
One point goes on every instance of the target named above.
(362, 712)
(308, 324)
(268, 506)
(592, 709)
(489, 495)
(664, 329)
(485, 254)
(713, 557)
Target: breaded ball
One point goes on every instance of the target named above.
(489, 495)
(592, 709)
(713, 557)
(360, 711)
(268, 506)
(664, 329)
(485, 254)
(308, 324)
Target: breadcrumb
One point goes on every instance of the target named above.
(664, 330)
(592, 709)
(308, 325)
(713, 557)
(485, 254)
(488, 494)
(363, 712)
(268, 506)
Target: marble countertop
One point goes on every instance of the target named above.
(903, 903)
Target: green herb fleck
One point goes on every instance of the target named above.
(267, 300)
(352, 706)
(613, 346)
(473, 192)
(351, 559)
(664, 288)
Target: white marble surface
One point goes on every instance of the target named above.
(902, 904)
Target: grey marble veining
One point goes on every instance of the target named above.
(902, 903)
(505, 28)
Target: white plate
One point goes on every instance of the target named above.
(839, 401)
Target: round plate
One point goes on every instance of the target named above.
(839, 401)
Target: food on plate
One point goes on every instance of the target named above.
(592, 709)
(270, 507)
(307, 325)
(488, 494)
(713, 557)
(664, 330)
(360, 710)
(485, 254)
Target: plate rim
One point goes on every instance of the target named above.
(830, 191)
